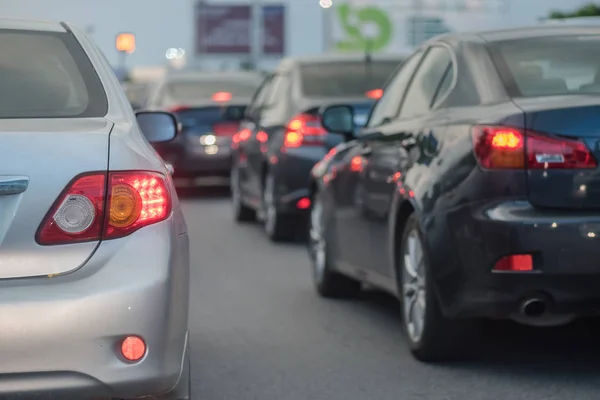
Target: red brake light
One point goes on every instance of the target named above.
(374, 94)
(330, 154)
(221, 97)
(304, 130)
(244, 135)
(546, 152)
(133, 348)
(262, 136)
(76, 216)
(515, 262)
(303, 203)
(357, 164)
(500, 147)
(135, 199)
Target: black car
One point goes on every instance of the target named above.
(474, 189)
(210, 106)
(281, 137)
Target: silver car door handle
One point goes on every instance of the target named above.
(13, 185)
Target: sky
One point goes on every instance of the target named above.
(163, 24)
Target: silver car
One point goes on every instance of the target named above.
(94, 252)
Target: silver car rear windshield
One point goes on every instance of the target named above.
(552, 65)
(47, 75)
(189, 90)
(345, 78)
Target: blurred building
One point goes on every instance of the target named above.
(181, 33)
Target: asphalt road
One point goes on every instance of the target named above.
(260, 332)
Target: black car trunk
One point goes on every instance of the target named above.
(202, 126)
(562, 150)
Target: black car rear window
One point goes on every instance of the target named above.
(344, 79)
(552, 65)
(204, 89)
(47, 75)
(209, 115)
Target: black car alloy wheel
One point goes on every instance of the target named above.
(431, 336)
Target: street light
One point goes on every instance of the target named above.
(125, 44)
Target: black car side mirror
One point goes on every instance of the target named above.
(338, 119)
(157, 126)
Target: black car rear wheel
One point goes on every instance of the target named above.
(328, 283)
(241, 212)
(431, 336)
(279, 227)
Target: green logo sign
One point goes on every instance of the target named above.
(353, 19)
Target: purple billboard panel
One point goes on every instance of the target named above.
(273, 33)
(223, 29)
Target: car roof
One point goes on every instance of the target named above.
(291, 62)
(32, 25)
(526, 32)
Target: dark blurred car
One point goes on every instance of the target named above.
(135, 92)
(281, 137)
(474, 189)
(210, 107)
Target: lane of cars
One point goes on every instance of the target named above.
(470, 193)
(210, 107)
(281, 137)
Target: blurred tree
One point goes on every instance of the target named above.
(588, 10)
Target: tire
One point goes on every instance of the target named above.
(438, 338)
(328, 283)
(241, 212)
(278, 227)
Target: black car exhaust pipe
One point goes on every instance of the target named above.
(534, 307)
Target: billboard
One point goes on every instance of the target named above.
(228, 29)
(223, 29)
(273, 32)
(398, 26)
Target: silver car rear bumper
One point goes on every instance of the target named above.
(60, 336)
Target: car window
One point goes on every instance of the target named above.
(344, 79)
(260, 95)
(277, 88)
(427, 79)
(555, 65)
(445, 86)
(47, 75)
(182, 90)
(278, 98)
(387, 106)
